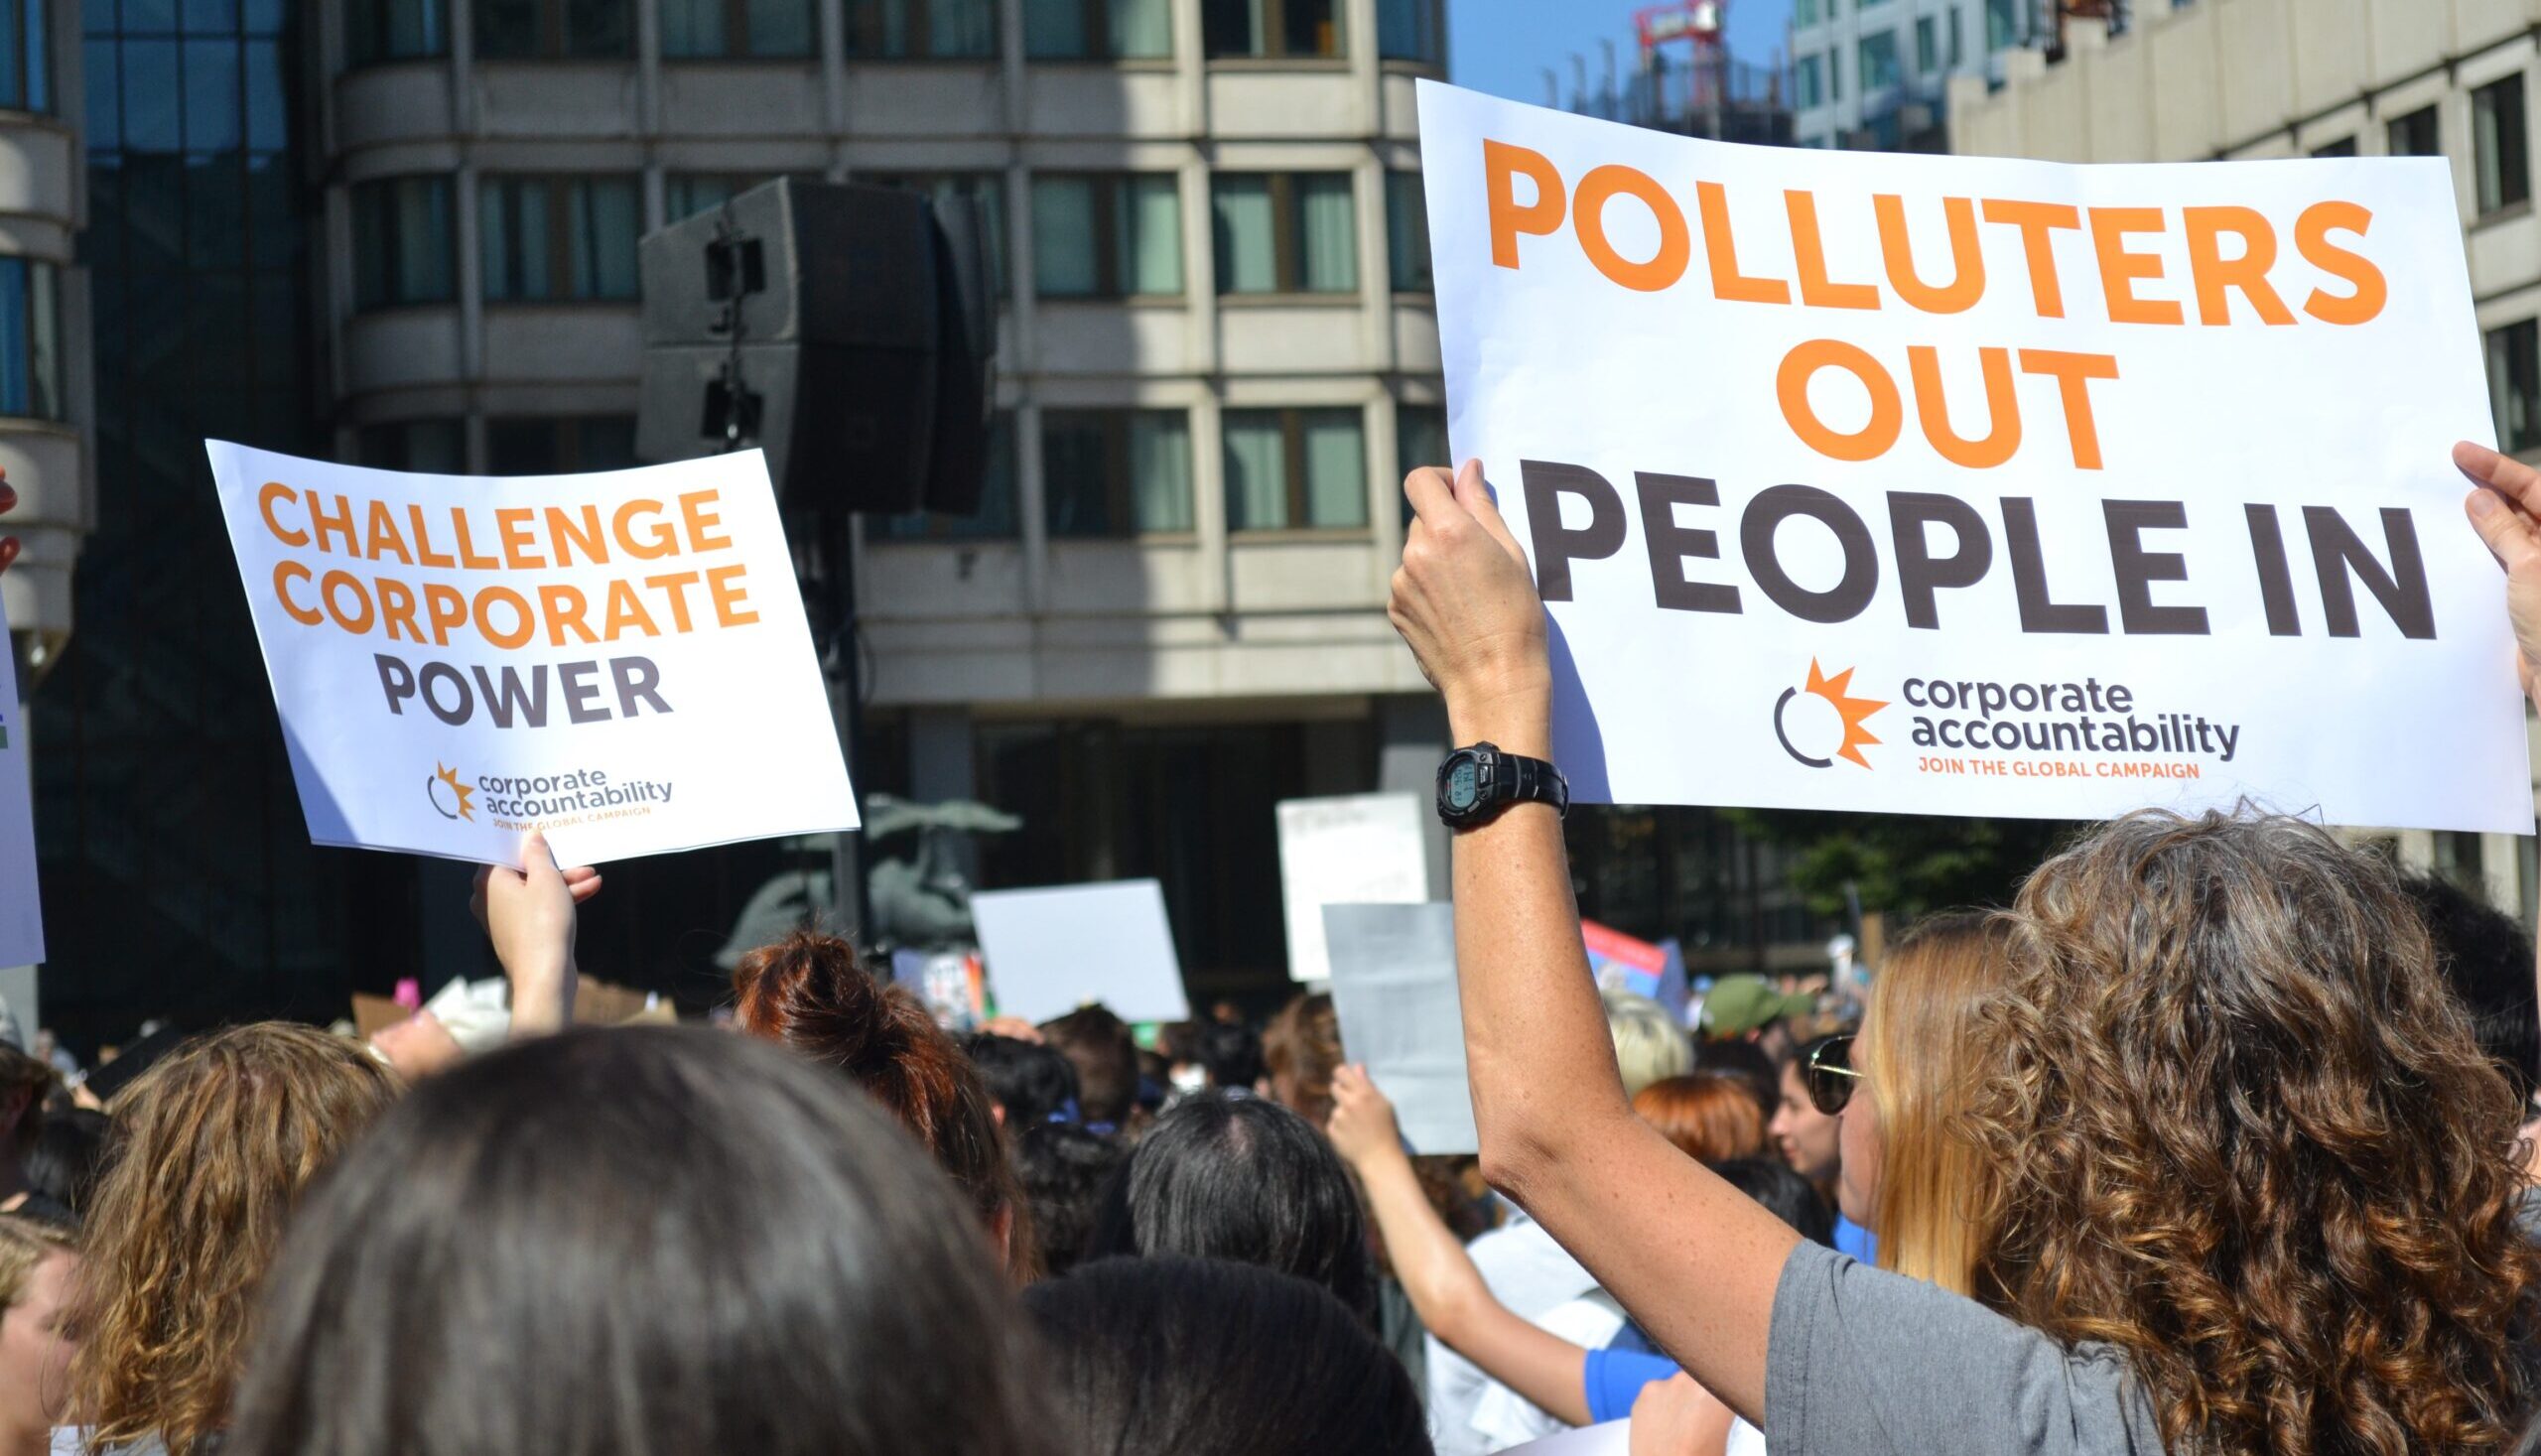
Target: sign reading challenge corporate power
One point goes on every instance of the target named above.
(619, 660)
(1951, 486)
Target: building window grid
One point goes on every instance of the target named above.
(559, 445)
(1408, 234)
(29, 339)
(558, 238)
(721, 30)
(1271, 30)
(1098, 30)
(1116, 473)
(1107, 235)
(554, 30)
(403, 248)
(1311, 244)
(921, 30)
(26, 57)
(1413, 29)
(2501, 146)
(1928, 46)
(2418, 134)
(395, 30)
(1319, 481)
(2514, 385)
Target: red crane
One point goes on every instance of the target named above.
(1699, 26)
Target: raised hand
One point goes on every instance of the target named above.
(2506, 509)
(528, 914)
(1679, 1417)
(1363, 1123)
(1465, 604)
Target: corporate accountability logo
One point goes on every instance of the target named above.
(449, 795)
(1835, 723)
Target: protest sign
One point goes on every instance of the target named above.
(1612, 1438)
(1051, 951)
(1393, 989)
(1959, 485)
(1355, 849)
(618, 659)
(1626, 962)
(21, 910)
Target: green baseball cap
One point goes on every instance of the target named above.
(1739, 1005)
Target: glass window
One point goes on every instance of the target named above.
(1808, 82)
(558, 237)
(1928, 46)
(988, 188)
(713, 28)
(1413, 29)
(559, 445)
(1270, 29)
(687, 194)
(1880, 68)
(1098, 30)
(2418, 134)
(395, 30)
(433, 447)
(402, 242)
(26, 59)
(1958, 41)
(2514, 385)
(996, 520)
(1408, 232)
(1834, 76)
(1999, 33)
(2342, 147)
(1804, 12)
(901, 30)
(1107, 235)
(2502, 149)
(1286, 232)
(29, 341)
(1420, 438)
(1296, 469)
(554, 30)
(1115, 472)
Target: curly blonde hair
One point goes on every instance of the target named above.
(2243, 1134)
(214, 1147)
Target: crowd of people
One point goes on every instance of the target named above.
(2216, 1139)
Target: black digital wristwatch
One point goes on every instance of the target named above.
(1476, 783)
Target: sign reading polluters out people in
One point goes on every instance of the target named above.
(620, 660)
(1955, 486)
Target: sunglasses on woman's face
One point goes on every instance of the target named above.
(1830, 1075)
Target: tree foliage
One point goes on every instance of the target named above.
(1906, 866)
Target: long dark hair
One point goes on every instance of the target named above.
(649, 1240)
(1179, 1356)
(1245, 1179)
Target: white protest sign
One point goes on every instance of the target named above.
(1051, 951)
(617, 659)
(1393, 989)
(1355, 849)
(1612, 1438)
(1955, 486)
(21, 909)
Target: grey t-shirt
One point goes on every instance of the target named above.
(1865, 1361)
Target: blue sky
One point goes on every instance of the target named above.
(1505, 46)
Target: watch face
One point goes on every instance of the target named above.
(1464, 785)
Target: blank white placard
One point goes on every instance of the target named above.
(1051, 951)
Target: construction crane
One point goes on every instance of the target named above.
(1698, 25)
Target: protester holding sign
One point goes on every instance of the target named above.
(2184, 994)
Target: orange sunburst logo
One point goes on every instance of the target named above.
(1854, 712)
(459, 794)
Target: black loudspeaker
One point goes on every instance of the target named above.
(828, 326)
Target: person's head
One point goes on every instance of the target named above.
(1785, 1194)
(1708, 1115)
(1750, 1009)
(1746, 1061)
(37, 1264)
(64, 1163)
(1028, 1084)
(213, 1146)
(810, 993)
(1807, 1139)
(23, 1082)
(1245, 1179)
(1909, 1173)
(2245, 1135)
(2486, 958)
(1099, 1045)
(1231, 1054)
(646, 1237)
(1175, 1356)
(1300, 1050)
(1650, 1044)
(1064, 1170)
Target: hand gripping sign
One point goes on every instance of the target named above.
(619, 659)
(1954, 485)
